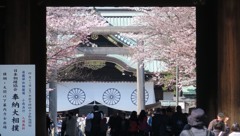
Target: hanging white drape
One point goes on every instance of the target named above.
(117, 95)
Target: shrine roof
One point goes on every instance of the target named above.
(124, 17)
(119, 17)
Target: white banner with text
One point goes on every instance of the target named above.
(17, 115)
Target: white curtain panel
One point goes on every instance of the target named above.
(117, 95)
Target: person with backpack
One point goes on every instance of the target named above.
(124, 124)
(133, 124)
(104, 127)
(88, 125)
(71, 125)
(179, 120)
(159, 123)
(143, 127)
(196, 124)
(115, 125)
(96, 116)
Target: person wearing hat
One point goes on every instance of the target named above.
(196, 123)
(220, 118)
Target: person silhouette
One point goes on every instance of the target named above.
(196, 123)
(96, 116)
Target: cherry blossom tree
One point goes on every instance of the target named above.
(169, 36)
(67, 27)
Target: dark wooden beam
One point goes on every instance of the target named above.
(3, 3)
(161, 3)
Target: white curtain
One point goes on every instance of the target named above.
(117, 95)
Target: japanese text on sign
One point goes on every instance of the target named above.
(17, 93)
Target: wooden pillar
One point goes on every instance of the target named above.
(229, 59)
(25, 43)
(38, 57)
(2, 31)
(218, 58)
(17, 32)
(206, 57)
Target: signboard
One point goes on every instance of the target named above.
(17, 100)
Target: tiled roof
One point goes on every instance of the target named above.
(151, 66)
(123, 17)
(119, 18)
(189, 90)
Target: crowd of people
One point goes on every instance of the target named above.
(158, 122)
